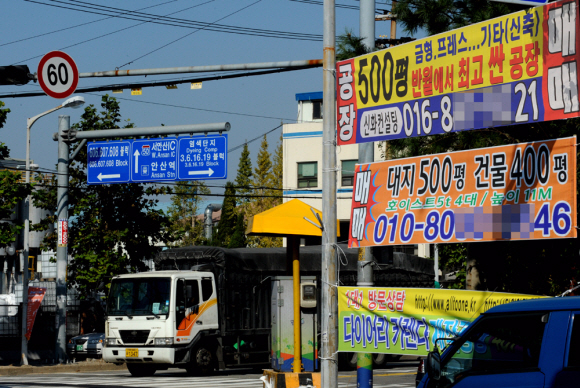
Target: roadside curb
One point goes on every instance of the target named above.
(65, 368)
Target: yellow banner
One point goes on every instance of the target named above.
(409, 320)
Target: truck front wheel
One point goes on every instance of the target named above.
(141, 370)
(203, 361)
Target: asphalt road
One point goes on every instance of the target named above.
(400, 374)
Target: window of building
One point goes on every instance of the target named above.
(308, 174)
(317, 110)
(348, 172)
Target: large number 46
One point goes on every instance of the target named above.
(560, 221)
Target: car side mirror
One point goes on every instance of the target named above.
(434, 365)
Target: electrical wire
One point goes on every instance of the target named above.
(78, 25)
(186, 35)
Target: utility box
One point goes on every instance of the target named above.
(282, 357)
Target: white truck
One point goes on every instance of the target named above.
(210, 308)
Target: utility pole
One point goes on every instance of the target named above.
(329, 295)
(65, 136)
(366, 154)
(62, 246)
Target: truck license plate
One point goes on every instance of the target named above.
(79, 347)
(131, 352)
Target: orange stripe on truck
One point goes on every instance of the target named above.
(184, 328)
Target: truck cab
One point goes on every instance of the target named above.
(159, 319)
(533, 344)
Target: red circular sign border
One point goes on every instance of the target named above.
(73, 65)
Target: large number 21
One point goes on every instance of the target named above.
(521, 88)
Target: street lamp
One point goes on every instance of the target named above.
(73, 102)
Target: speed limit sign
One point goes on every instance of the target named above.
(57, 74)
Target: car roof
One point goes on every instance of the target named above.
(540, 304)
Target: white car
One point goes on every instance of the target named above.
(79, 346)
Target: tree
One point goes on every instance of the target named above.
(12, 192)
(239, 239)
(263, 182)
(244, 177)
(276, 183)
(436, 16)
(184, 227)
(112, 228)
(228, 218)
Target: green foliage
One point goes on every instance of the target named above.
(184, 227)
(228, 219)
(453, 257)
(436, 16)
(112, 228)
(239, 239)
(12, 192)
(349, 46)
(244, 176)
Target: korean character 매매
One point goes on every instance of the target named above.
(482, 167)
(561, 167)
(498, 170)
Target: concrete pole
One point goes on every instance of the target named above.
(24, 261)
(366, 154)
(329, 299)
(61, 249)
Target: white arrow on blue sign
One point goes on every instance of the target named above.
(163, 159)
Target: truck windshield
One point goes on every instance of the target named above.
(496, 344)
(139, 296)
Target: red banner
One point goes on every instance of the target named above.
(35, 296)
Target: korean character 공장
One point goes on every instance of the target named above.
(478, 73)
(482, 167)
(470, 199)
(497, 198)
(428, 80)
(461, 40)
(428, 51)
(515, 29)
(438, 79)
(401, 76)
(346, 116)
(498, 170)
(561, 167)
(498, 32)
(464, 73)
(394, 180)
(452, 44)
(516, 70)
(449, 77)
(459, 176)
(416, 82)
(532, 52)
(345, 81)
(442, 50)
(419, 53)
(496, 58)
(400, 300)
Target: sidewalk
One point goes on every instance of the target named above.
(77, 367)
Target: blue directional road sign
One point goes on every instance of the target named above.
(109, 162)
(203, 157)
(154, 160)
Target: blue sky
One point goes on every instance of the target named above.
(253, 105)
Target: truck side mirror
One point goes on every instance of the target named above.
(434, 365)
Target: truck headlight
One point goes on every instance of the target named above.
(110, 341)
(163, 341)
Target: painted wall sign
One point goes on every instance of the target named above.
(518, 68)
(408, 321)
(513, 192)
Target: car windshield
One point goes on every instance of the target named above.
(139, 296)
